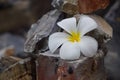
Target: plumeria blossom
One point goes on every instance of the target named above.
(73, 41)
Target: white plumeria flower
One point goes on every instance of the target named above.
(74, 41)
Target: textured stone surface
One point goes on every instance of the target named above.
(50, 66)
(88, 6)
(80, 6)
(41, 29)
(103, 26)
(12, 68)
(67, 6)
(55, 69)
(70, 6)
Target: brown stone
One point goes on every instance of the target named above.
(88, 6)
(70, 6)
(67, 6)
(104, 27)
(80, 6)
(49, 68)
(13, 68)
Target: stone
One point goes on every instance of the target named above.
(8, 51)
(67, 6)
(16, 41)
(73, 7)
(41, 29)
(103, 27)
(70, 6)
(93, 68)
(55, 69)
(51, 66)
(89, 6)
(13, 68)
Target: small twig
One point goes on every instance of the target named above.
(48, 53)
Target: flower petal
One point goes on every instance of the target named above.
(70, 51)
(56, 39)
(86, 24)
(88, 46)
(68, 24)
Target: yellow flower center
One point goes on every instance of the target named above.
(75, 37)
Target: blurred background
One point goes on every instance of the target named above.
(16, 17)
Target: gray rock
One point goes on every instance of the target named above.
(42, 29)
(12, 40)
